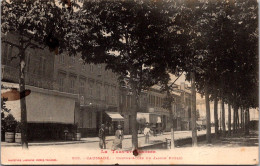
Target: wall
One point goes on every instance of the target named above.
(38, 69)
(97, 85)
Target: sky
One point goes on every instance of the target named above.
(180, 80)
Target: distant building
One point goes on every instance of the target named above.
(152, 110)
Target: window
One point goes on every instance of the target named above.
(157, 101)
(113, 95)
(106, 93)
(61, 84)
(91, 68)
(82, 86)
(91, 88)
(61, 58)
(83, 66)
(42, 66)
(107, 73)
(121, 99)
(72, 59)
(72, 85)
(90, 119)
(99, 91)
(99, 69)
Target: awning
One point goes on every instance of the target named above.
(115, 116)
(44, 106)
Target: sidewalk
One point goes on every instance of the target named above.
(83, 140)
(153, 139)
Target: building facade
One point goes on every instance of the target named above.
(96, 87)
(49, 112)
(39, 64)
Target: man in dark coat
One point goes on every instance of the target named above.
(102, 137)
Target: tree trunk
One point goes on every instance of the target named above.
(208, 135)
(169, 102)
(23, 102)
(216, 116)
(223, 119)
(229, 120)
(193, 110)
(134, 130)
(242, 120)
(134, 121)
(234, 119)
(248, 117)
(247, 122)
(172, 127)
(237, 118)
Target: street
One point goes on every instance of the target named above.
(223, 151)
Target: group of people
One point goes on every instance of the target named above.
(119, 136)
(117, 143)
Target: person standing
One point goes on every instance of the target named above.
(102, 137)
(147, 132)
(117, 144)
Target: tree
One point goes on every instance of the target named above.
(32, 21)
(218, 42)
(133, 38)
(168, 87)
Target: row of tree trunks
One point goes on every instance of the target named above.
(239, 122)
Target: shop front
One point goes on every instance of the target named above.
(49, 112)
(112, 120)
(153, 119)
(90, 119)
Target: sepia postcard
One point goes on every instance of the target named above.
(129, 82)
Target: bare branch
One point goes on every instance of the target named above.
(12, 44)
(14, 57)
(175, 80)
